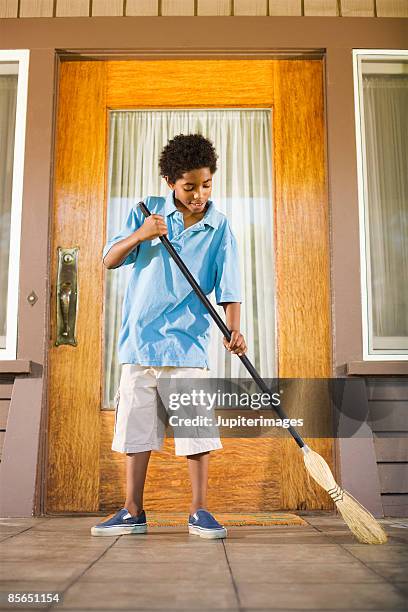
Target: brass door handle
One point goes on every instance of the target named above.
(67, 296)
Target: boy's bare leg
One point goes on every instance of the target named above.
(136, 469)
(198, 469)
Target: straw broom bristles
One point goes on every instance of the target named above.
(360, 521)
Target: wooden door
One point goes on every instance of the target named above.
(84, 475)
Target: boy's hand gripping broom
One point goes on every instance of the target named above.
(360, 521)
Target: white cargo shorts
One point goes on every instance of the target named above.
(140, 419)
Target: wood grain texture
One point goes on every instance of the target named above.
(292, 8)
(72, 8)
(244, 475)
(214, 7)
(144, 84)
(392, 8)
(8, 8)
(302, 245)
(320, 8)
(102, 8)
(177, 7)
(295, 92)
(36, 8)
(142, 8)
(250, 7)
(248, 474)
(75, 372)
(301, 225)
(357, 8)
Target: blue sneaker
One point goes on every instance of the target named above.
(122, 523)
(203, 524)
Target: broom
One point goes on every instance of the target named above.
(360, 521)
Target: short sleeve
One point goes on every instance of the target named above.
(227, 278)
(131, 224)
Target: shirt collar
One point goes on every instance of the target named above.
(210, 217)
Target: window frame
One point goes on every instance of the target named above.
(21, 58)
(359, 55)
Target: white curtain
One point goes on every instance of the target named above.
(8, 98)
(386, 135)
(242, 189)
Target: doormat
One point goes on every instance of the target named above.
(179, 519)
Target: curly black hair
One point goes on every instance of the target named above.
(185, 153)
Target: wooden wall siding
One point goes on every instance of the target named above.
(4, 408)
(206, 8)
(8, 8)
(6, 387)
(387, 389)
(315, 8)
(254, 7)
(177, 7)
(388, 412)
(72, 8)
(389, 416)
(389, 448)
(291, 8)
(357, 8)
(103, 8)
(392, 8)
(395, 505)
(36, 8)
(142, 8)
(393, 477)
(321, 8)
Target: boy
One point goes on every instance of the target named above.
(165, 328)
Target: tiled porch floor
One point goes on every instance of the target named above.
(317, 567)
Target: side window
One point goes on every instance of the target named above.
(381, 96)
(13, 103)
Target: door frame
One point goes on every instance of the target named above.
(288, 367)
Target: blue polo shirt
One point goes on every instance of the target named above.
(164, 322)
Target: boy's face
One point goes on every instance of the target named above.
(193, 189)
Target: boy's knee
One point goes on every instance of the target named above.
(197, 455)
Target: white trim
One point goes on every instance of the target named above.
(369, 354)
(21, 57)
(400, 343)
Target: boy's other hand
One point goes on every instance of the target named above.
(153, 226)
(237, 344)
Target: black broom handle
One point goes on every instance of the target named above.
(220, 323)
